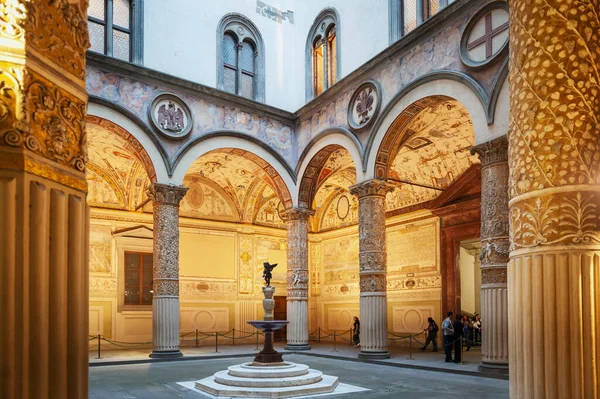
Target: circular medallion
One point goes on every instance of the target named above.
(280, 210)
(486, 35)
(195, 195)
(343, 207)
(171, 116)
(364, 105)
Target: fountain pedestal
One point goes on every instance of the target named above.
(268, 376)
(268, 355)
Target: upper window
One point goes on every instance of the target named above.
(114, 27)
(322, 55)
(406, 15)
(138, 278)
(241, 58)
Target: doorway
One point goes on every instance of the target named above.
(280, 313)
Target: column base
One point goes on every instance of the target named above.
(493, 368)
(374, 355)
(297, 347)
(166, 354)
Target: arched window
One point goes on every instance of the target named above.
(115, 28)
(322, 54)
(406, 15)
(240, 68)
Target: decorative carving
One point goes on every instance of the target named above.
(166, 194)
(170, 115)
(364, 105)
(373, 187)
(59, 32)
(492, 151)
(297, 251)
(560, 217)
(12, 19)
(372, 283)
(165, 287)
(493, 275)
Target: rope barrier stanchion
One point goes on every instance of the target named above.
(99, 357)
(461, 349)
(216, 342)
(233, 337)
(257, 339)
(335, 341)
(196, 337)
(410, 348)
(319, 335)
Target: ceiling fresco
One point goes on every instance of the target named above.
(333, 180)
(250, 188)
(434, 155)
(118, 172)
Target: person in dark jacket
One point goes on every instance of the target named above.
(432, 330)
(458, 332)
(356, 332)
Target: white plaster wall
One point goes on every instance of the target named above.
(364, 32)
(180, 39)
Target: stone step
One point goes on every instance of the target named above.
(249, 371)
(327, 384)
(311, 377)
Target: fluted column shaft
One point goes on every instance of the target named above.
(494, 254)
(373, 261)
(554, 159)
(165, 270)
(44, 217)
(297, 278)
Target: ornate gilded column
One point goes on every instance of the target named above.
(554, 159)
(44, 218)
(373, 261)
(494, 254)
(297, 278)
(165, 270)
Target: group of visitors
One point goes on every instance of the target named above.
(462, 326)
(452, 331)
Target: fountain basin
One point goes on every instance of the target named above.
(268, 325)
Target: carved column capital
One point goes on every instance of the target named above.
(491, 152)
(292, 214)
(166, 194)
(371, 188)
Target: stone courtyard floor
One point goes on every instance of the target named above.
(160, 380)
(128, 374)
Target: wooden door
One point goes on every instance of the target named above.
(280, 313)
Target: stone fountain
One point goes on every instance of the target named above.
(268, 376)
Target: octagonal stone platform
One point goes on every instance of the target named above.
(286, 380)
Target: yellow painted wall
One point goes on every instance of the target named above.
(207, 255)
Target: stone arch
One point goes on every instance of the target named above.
(134, 145)
(413, 98)
(271, 163)
(315, 159)
(153, 155)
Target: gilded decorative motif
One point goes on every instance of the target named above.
(64, 42)
(567, 217)
(245, 282)
(12, 19)
(554, 98)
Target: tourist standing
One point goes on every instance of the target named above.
(477, 328)
(356, 332)
(458, 332)
(467, 331)
(432, 330)
(448, 333)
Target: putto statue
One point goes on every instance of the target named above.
(267, 273)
